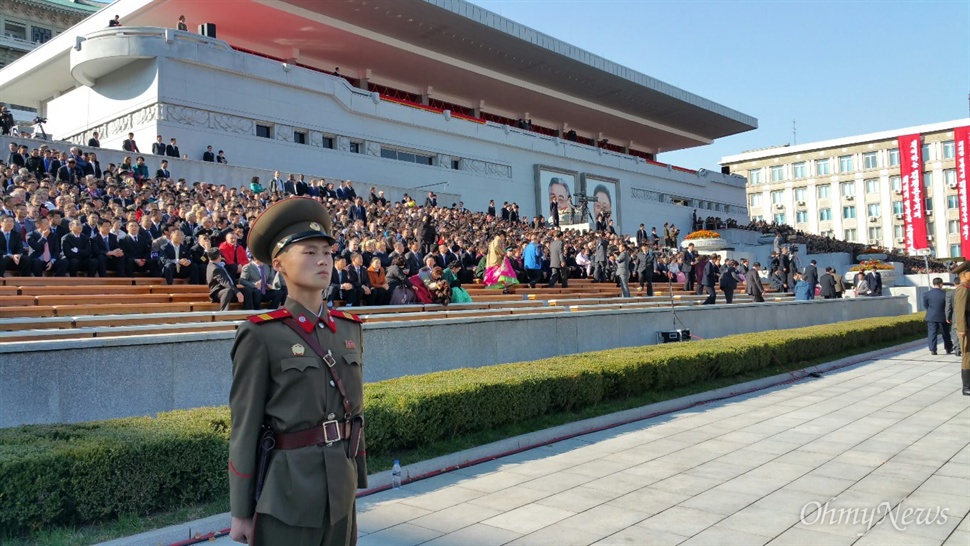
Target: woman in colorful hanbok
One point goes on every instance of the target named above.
(498, 270)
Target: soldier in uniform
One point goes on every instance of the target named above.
(961, 316)
(297, 387)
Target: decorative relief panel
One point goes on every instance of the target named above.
(343, 143)
(645, 195)
(231, 124)
(444, 161)
(284, 133)
(372, 148)
(316, 139)
(184, 116)
(484, 167)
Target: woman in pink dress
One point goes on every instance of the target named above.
(498, 270)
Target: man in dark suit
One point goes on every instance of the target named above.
(106, 250)
(599, 260)
(491, 209)
(358, 212)
(646, 265)
(554, 212)
(710, 278)
(358, 274)
(349, 191)
(93, 142)
(787, 272)
(752, 283)
(172, 150)
(301, 187)
(69, 173)
(505, 211)
(344, 287)
(163, 171)
(12, 248)
(129, 144)
(222, 289)
(207, 155)
(690, 258)
(289, 187)
(76, 250)
(810, 275)
(934, 301)
(557, 262)
(45, 252)
(874, 280)
(137, 247)
(413, 257)
(158, 148)
(176, 260)
(827, 284)
(642, 236)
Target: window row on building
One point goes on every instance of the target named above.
(847, 190)
(843, 164)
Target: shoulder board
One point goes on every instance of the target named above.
(347, 316)
(269, 317)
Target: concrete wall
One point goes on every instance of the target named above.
(85, 380)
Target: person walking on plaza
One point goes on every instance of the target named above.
(752, 284)
(296, 451)
(934, 301)
(557, 262)
(623, 270)
(961, 317)
(710, 278)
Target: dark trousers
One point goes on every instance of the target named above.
(599, 271)
(535, 275)
(38, 267)
(558, 274)
(758, 298)
(938, 329)
(7, 263)
(728, 295)
(354, 296)
(689, 285)
(88, 265)
(274, 297)
(646, 279)
(118, 265)
(711, 295)
(148, 267)
(190, 272)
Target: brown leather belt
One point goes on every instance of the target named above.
(327, 433)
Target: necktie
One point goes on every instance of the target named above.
(178, 266)
(46, 257)
(262, 280)
(107, 243)
(7, 236)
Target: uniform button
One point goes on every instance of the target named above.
(331, 416)
(332, 384)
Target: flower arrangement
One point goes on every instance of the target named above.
(869, 264)
(703, 234)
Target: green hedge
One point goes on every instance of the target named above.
(65, 474)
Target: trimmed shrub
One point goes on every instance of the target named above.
(68, 474)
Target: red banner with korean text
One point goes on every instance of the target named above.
(911, 172)
(961, 143)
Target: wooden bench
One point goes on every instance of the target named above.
(133, 299)
(59, 290)
(17, 301)
(121, 308)
(74, 281)
(42, 323)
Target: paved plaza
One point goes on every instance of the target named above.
(877, 453)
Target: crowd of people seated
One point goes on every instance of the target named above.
(99, 222)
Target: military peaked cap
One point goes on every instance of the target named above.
(287, 222)
(965, 266)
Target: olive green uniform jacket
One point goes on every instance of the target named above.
(278, 380)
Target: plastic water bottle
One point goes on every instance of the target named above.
(396, 475)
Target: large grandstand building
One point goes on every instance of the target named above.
(421, 94)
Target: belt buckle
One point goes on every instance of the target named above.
(331, 432)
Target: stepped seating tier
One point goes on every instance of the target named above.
(46, 308)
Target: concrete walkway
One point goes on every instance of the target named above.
(877, 453)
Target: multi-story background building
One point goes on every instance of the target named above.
(850, 189)
(27, 24)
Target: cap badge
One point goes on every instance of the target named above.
(302, 318)
(315, 226)
(298, 350)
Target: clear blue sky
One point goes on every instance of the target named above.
(839, 68)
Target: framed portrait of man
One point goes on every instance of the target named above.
(554, 184)
(604, 197)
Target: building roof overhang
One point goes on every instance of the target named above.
(447, 49)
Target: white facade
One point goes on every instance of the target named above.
(849, 188)
(152, 81)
